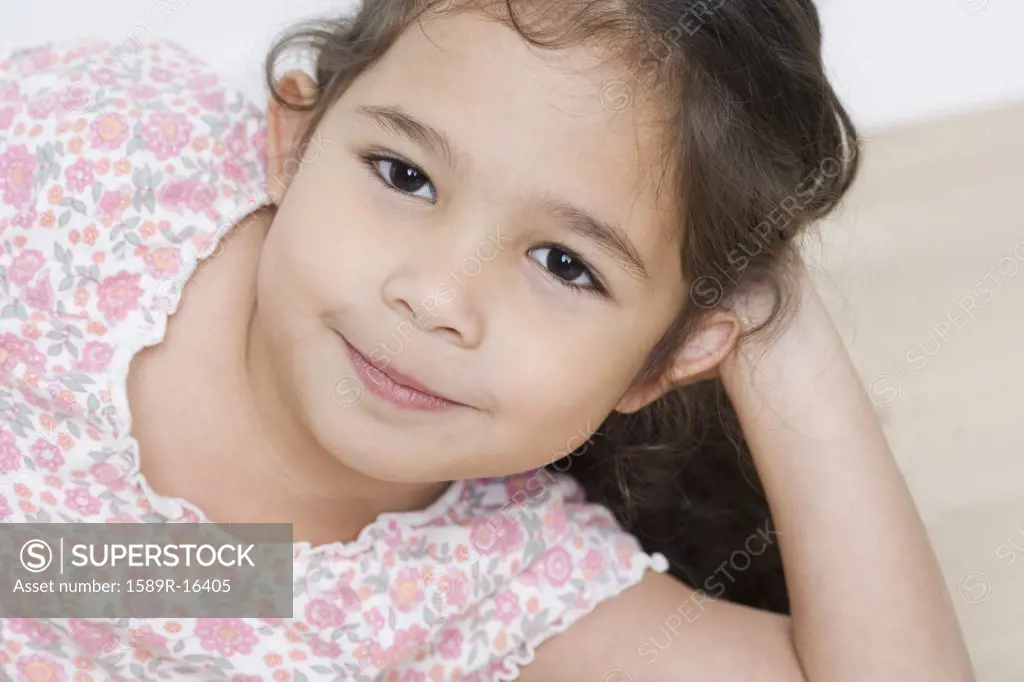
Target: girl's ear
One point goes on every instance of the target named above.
(696, 360)
(284, 130)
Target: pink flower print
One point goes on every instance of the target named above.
(79, 500)
(32, 629)
(203, 242)
(392, 536)
(10, 91)
(119, 295)
(17, 175)
(26, 217)
(46, 455)
(594, 564)
(506, 607)
(6, 117)
(374, 619)
(103, 76)
(36, 58)
(557, 566)
(201, 82)
(211, 99)
(25, 266)
(624, 550)
(226, 636)
(405, 590)
(496, 535)
(555, 518)
(374, 652)
(37, 668)
(202, 198)
(110, 201)
(348, 597)
(406, 642)
(14, 349)
(326, 649)
(108, 476)
(258, 139)
(164, 261)
(233, 170)
(39, 294)
(146, 638)
(176, 193)
(63, 397)
(142, 91)
(34, 397)
(161, 75)
(246, 678)
(44, 106)
(93, 639)
(167, 133)
(79, 175)
(412, 676)
(530, 575)
(95, 357)
(112, 206)
(323, 614)
(451, 643)
(109, 132)
(10, 458)
(238, 145)
(458, 594)
(5, 509)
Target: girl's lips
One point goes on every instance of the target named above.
(395, 387)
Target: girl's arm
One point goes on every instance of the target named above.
(867, 598)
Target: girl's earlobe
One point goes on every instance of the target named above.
(698, 359)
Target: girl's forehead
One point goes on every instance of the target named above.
(571, 122)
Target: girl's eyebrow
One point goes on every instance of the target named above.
(394, 120)
(610, 238)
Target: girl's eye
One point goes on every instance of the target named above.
(568, 268)
(403, 177)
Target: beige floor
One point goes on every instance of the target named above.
(938, 215)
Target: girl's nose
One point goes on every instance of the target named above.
(439, 291)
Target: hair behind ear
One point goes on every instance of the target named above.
(678, 475)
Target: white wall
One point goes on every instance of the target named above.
(892, 60)
(903, 60)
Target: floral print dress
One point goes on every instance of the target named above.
(120, 169)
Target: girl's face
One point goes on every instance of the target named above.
(474, 216)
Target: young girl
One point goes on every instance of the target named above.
(473, 308)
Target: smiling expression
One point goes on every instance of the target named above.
(485, 235)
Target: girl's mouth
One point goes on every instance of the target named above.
(395, 387)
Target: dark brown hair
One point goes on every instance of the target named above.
(760, 147)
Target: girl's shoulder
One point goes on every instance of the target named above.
(120, 166)
(513, 562)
